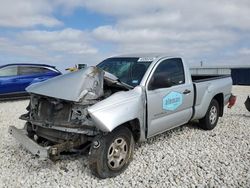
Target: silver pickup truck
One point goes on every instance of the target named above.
(105, 109)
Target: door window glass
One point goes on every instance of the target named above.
(169, 73)
(25, 70)
(8, 71)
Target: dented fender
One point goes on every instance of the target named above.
(119, 108)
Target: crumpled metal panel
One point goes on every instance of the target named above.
(83, 84)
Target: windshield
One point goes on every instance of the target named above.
(127, 70)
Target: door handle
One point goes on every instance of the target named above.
(186, 92)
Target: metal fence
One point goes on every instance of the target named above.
(240, 76)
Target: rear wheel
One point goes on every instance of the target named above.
(211, 118)
(110, 154)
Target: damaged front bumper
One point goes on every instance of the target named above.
(49, 152)
(21, 136)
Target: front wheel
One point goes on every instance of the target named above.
(110, 154)
(212, 116)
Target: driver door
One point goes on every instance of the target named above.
(169, 97)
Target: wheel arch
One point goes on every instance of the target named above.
(220, 99)
(134, 127)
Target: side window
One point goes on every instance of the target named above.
(169, 73)
(8, 71)
(25, 70)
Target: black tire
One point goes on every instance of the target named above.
(102, 159)
(29, 130)
(212, 116)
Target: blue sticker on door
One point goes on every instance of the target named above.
(172, 101)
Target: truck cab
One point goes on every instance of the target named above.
(170, 95)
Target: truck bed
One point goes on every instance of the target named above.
(207, 86)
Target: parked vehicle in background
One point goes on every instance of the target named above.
(14, 78)
(125, 99)
(247, 103)
(76, 67)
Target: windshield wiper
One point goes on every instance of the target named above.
(124, 84)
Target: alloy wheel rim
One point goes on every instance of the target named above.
(117, 153)
(213, 115)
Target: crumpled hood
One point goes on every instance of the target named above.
(82, 84)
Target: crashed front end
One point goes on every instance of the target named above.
(57, 125)
(57, 120)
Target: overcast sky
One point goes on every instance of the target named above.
(66, 32)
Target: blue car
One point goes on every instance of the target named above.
(14, 78)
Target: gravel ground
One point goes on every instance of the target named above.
(184, 157)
